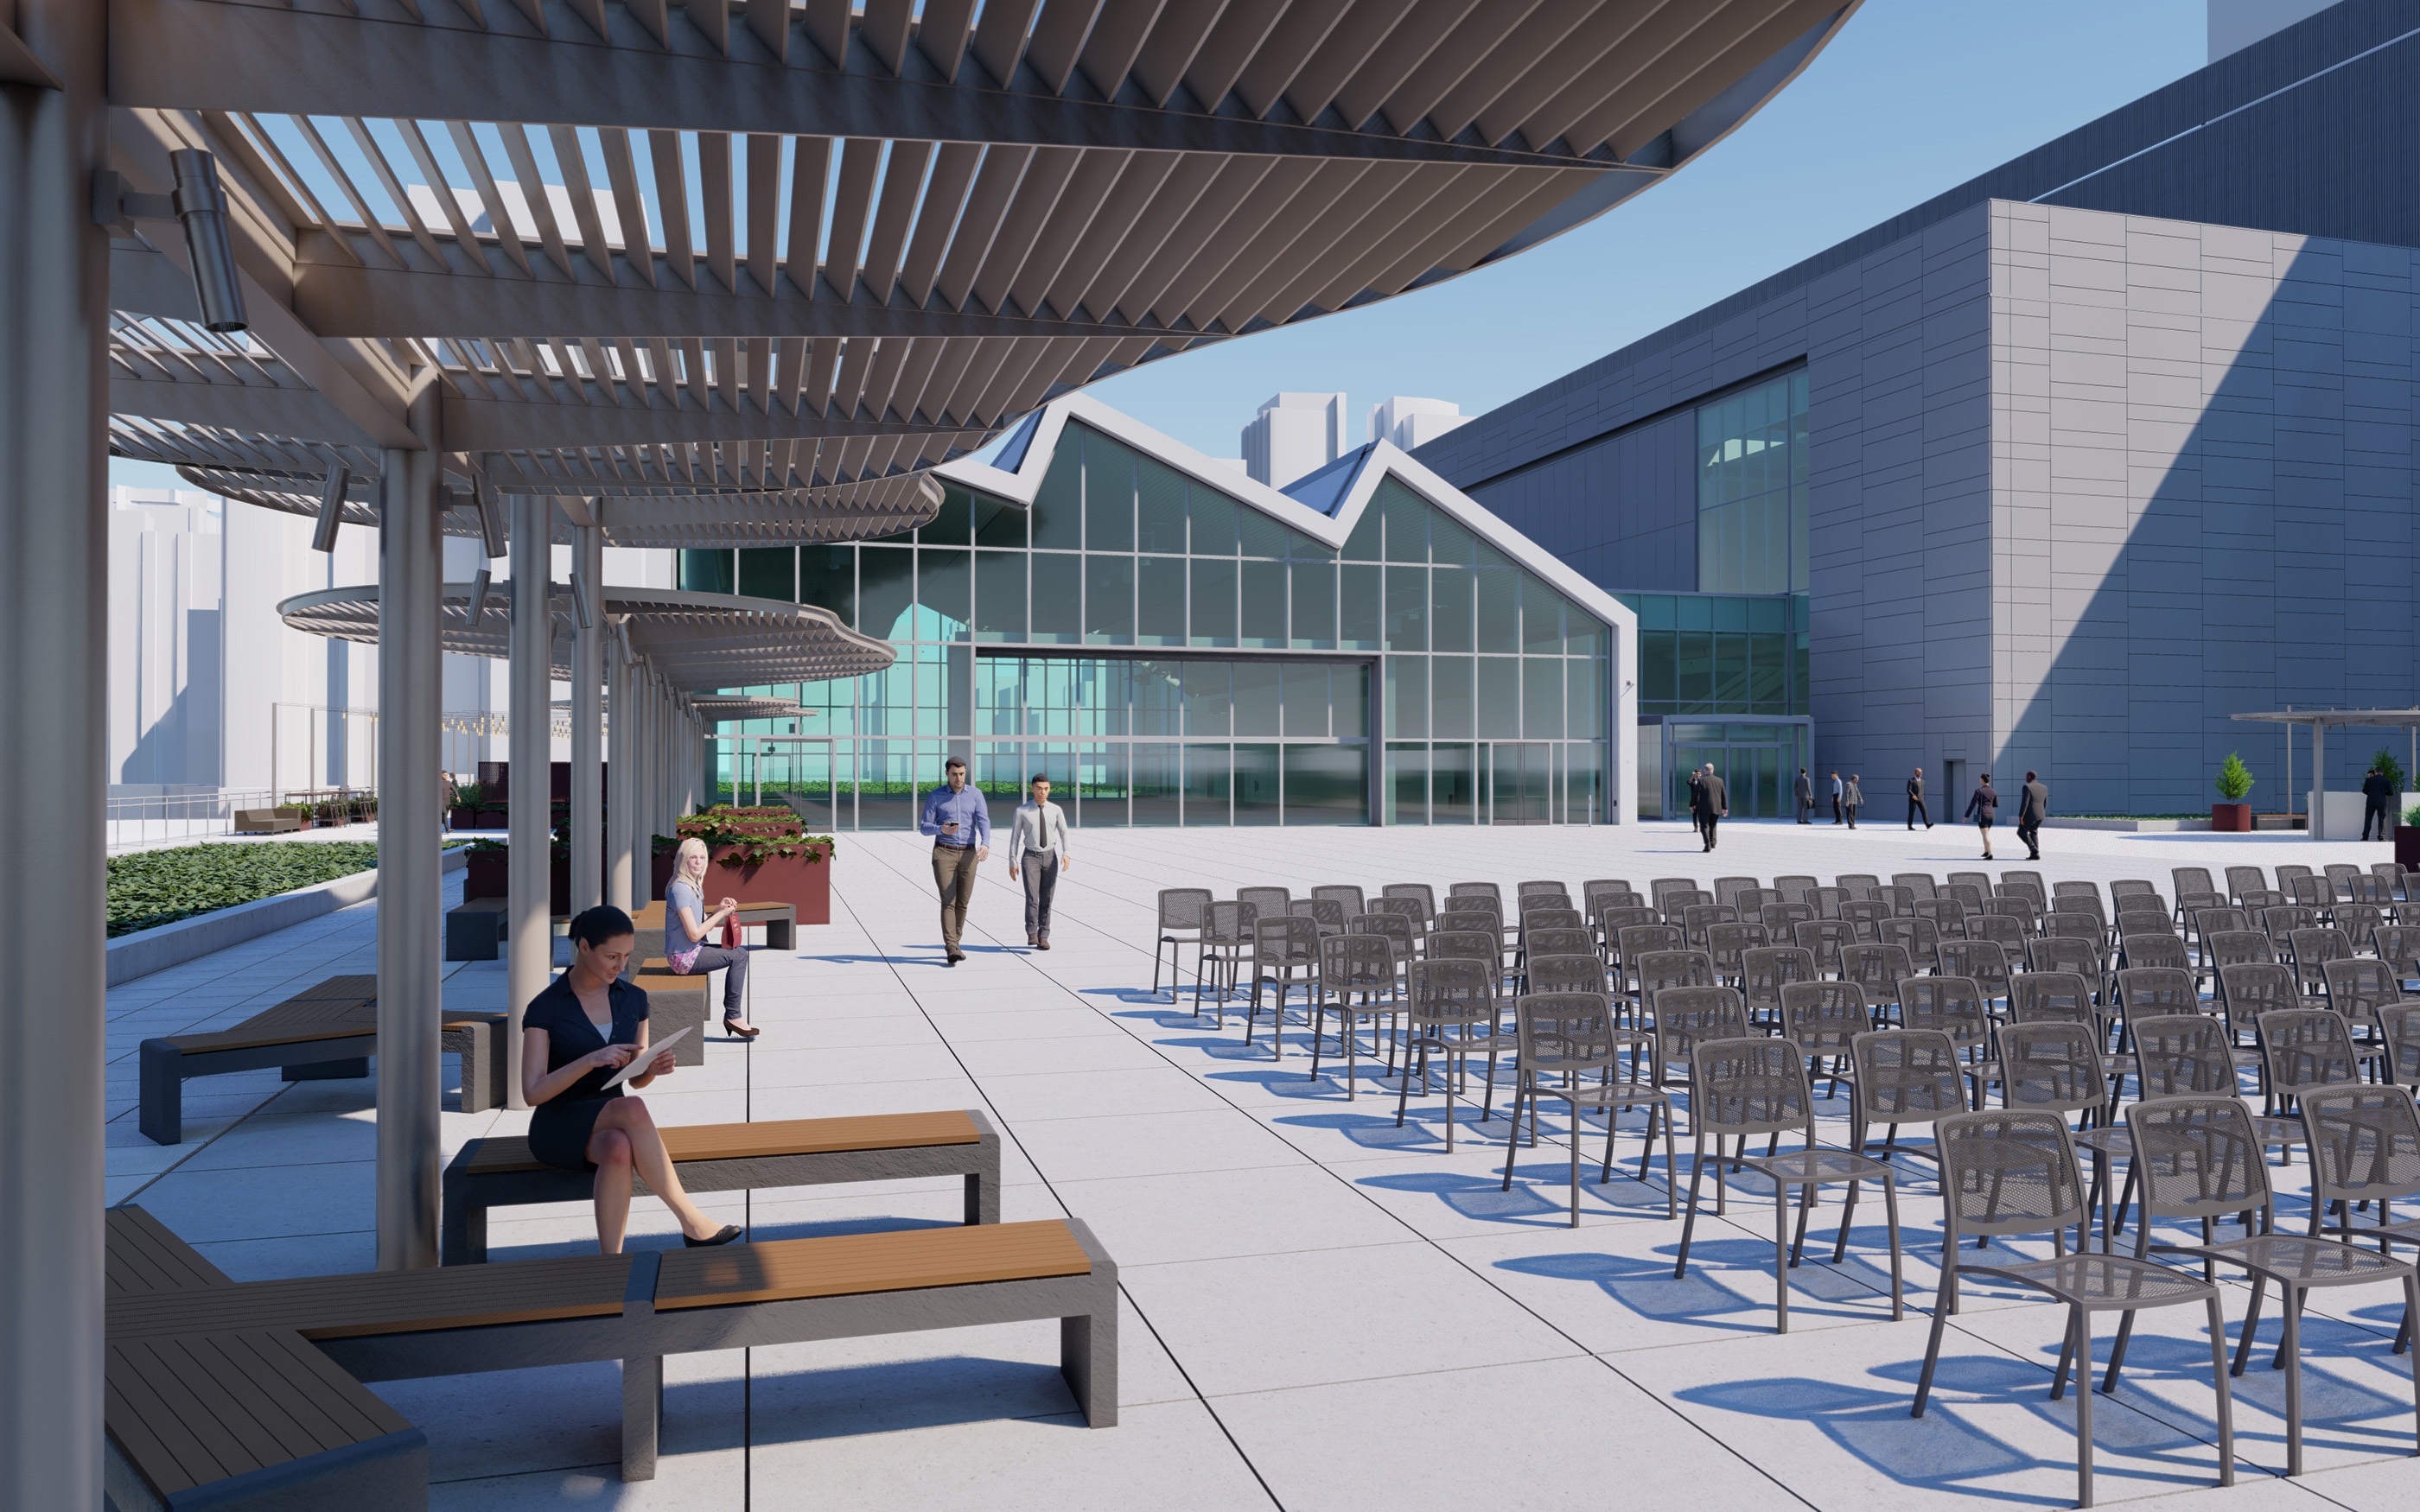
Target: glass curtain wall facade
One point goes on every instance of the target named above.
(1752, 489)
(1171, 655)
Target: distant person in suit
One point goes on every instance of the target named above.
(2380, 808)
(1804, 794)
(1713, 803)
(1697, 798)
(1853, 798)
(1916, 809)
(1836, 791)
(2033, 807)
(1982, 808)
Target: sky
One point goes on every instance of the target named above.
(1912, 97)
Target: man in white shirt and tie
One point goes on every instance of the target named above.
(1038, 844)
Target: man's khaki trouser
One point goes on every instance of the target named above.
(953, 873)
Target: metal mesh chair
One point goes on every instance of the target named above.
(1903, 1076)
(1450, 1003)
(2017, 905)
(1764, 971)
(1613, 919)
(1921, 884)
(2005, 930)
(2031, 880)
(2064, 953)
(1918, 937)
(2010, 1172)
(1677, 904)
(1686, 1017)
(2398, 947)
(1556, 916)
(1397, 932)
(1569, 1050)
(1469, 921)
(2200, 1161)
(1985, 962)
(1352, 967)
(1954, 1007)
(1751, 901)
(1727, 889)
(2185, 879)
(1181, 911)
(1900, 900)
(1793, 888)
(1408, 909)
(2398, 1026)
(1781, 918)
(2052, 1067)
(1866, 915)
(1633, 945)
(1419, 892)
(2154, 992)
(1979, 883)
(2243, 879)
(2313, 893)
(1948, 916)
(1754, 1085)
(1327, 913)
(2305, 1049)
(2051, 997)
(1823, 938)
(1860, 885)
(2359, 922)
(2076, 924)
(2364, 1148)
(1727, 943)
(2358, 989)
(2282, 919)
(2311, 949)
(1699, 917)
(1559, 941)
(1542, 890)
(1271, 902)
(1598, 891)
(1475, 889)
(1572, 971)
(1349, 897)
(1285, 952)
(2398, 882)
(1658, 888)
(1660, 969)
(2153, 951)
(2075, 890)
(1824, 1018)
(2340, 875)
(1227, 935)
(1879, 969)
(1827, 901)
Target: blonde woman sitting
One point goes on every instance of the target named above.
(689, 930)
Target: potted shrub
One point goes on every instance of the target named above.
(756, 855)
(2234, 816)
(468, 796)
(2407, 840)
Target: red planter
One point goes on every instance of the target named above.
(489, 874)
(804, 882)
(2231, 818)
(490, 819)
(2406, 847)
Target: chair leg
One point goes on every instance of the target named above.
(1780, 1247)
(1891, 1217)
(2117, 1354)
(2225, 1395)
(1575, 1142)
(2293, 1301)
(1512, 1146)
(2080, 1329)
(1943, 1301)
(1689, 1225)
(2251, 1324)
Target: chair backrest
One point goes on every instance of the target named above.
(2252, 903)
(2235, 946)
(1751, 901)
(1726, 943)
(1980, 881)
(1966, 895)
(1782, 915)
(1680, 901)
(1900, 900)
(2365, 1144)
(1823, 1017)
(2243, 879)
(2390, 874)
(2340, 875)
(1953, 1005)
(2132, 887)
(2065, 913)
(1906, 1076)
(1475, 889)
(1397, 931)
(1982, 961)
(2399, 946)
(2313, 948)
(2050, 998)
(1615, 917)
(1327, 913)
(1355, 963)
(2057, 954)
(2210, 921)
(2186, 879)
(2311, 892)
(2017, 905)
(1565, 1031)
(2253, 988)
(1551, 918)
(1228, 922)
(1597, 888)
(1466, 945)
(1878, 968)
(2182, 1053)
(2306, 1047)
(1183, 907)
(1727, 889)
(1267, 900)
(2198, 1157)
(1453, 990)
(1827, 901)
(1698, 917)
(1825, 938)
(2075, 890)
(1685, 1016)
(1661, 886)
(1467, 921)
(2133, 921)
(1639, 940)
(1919, 883)
(1408, 909)
(2398, 1023)
(2154, 950)
(1286, 940)
(1916, 936)
(1532, 889)
(2051, 1065)
(1661, 970)
(1750, 1085)
(1857, 884)
(2360, 920)
(2156, 992)
(1572, 971)
(1350, 896)
(2027, 879)
(1946, 914)
(1766, 969)
(1419, 892)
(2030, 892)
(2007, 1171)
(1793, 888)
(1867, 913)
(2358, 987)
(1538, 942)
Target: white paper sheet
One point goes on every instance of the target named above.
(640, 1062)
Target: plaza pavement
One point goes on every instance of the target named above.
(1322, 1311)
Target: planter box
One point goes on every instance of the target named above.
(491, 876)
(804, 882)
(462, 818)
(2406, 847)
(491, 819)
(2231, 818)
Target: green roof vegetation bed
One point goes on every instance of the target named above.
(149, 888)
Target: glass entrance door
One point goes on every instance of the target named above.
(1758, 762)
(796, 770)
(1520, 783)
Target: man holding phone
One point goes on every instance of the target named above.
(960, 824)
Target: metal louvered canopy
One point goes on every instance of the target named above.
(700, 642)
(773, 249)
(715, 710)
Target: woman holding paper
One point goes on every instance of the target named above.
(577, 1038)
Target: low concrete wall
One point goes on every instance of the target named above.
(145, 951)
(2139, 826)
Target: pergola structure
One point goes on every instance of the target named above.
(719, 272)
(2318, 722)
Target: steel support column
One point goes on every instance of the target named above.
(410, 885)
(621, 768)
(588, 723)
(54, 657)
(642, 783)
(529, 932)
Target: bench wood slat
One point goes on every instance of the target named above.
(385, 1302)
(190, 1411)
(143, 1254)
(856, 1264)
(785, 1136)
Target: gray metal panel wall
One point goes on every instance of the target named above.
(1624, 511)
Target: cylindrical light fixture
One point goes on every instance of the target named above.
(201, 208)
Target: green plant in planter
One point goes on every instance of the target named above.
(470, 796)
(2412, 816)
(2234, 779)
(2389, 767)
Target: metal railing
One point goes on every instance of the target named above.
(145, 821)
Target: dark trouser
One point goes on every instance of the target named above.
(1041, 869)
(734, 967)
(1915, 811)
(2382, 816)
(1706, 826)
(953, 873)
(1805, 807)
(1852, 816)
(1835, 808)
(2029, 831)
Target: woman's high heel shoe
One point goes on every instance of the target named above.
(745, 1032)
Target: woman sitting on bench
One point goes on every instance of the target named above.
(688, 929)
(586, 1025)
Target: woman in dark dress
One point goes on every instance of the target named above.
(1982, 808)
(585, 1027)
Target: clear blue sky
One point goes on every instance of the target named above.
(1912, 97)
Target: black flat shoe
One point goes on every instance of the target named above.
(721, 1236)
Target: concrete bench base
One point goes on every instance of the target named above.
(474, 928)
(166, 1064)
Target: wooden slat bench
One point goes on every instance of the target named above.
(473, 929)
(780, 922)
(329, 1031)
(636, 1308)
(500, 1172)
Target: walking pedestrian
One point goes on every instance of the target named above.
(2379, 789)
(1804, 794)
(954, 815)
(1836, 791)
(1981, 808)
(1037, 841)
(1713, 803)
(1916, 809)
(1853, 798)
(2033, 807)
(1697, 798)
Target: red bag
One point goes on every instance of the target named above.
(731, 933)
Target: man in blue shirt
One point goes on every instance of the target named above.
(960, 826)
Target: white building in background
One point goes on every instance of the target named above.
(1411, 423)
(1292, 434)
(207, 687)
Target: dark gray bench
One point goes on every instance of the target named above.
(500, 1171)
(474, 926)
(677, 1003)
(326, 1032)
(636, 1308)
